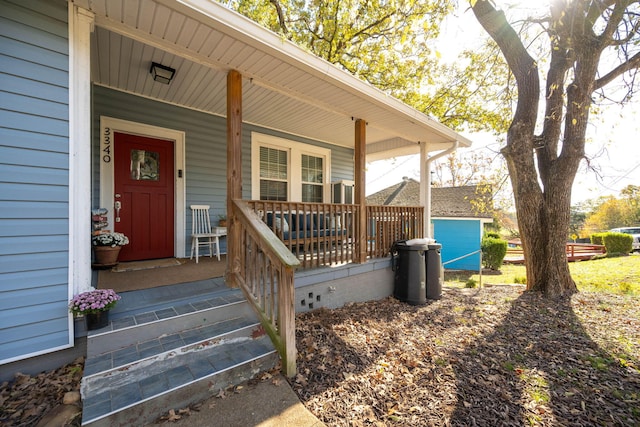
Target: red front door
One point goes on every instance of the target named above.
(144, 191)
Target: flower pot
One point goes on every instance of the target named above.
(97, 320)
(222, 223)
(106, 256)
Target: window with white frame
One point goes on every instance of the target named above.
(287, 170)
(274, 174)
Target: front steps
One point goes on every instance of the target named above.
(144, 364)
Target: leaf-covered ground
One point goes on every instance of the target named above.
(488, 357)
(28, 398)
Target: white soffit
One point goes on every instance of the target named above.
(284, 87)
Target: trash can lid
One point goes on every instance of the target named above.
(422, 241)
(435, 246)
(409, 245)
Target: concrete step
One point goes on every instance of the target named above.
(148, 326)
(134, 374)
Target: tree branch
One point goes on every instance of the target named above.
(633, 62)
(522, 65)
(281, 20)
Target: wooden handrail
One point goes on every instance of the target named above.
(264, 271)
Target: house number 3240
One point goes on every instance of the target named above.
(106, 145)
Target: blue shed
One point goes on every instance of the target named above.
(457, 223)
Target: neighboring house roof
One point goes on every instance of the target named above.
(445, 201)
(284, 87)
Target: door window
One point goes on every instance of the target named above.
(145, 165)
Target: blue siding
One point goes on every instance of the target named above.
(458, 238)
(206, 148)
(34, 177)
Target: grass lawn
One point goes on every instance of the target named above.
(620, 275)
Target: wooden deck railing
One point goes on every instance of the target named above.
(575, 252)
(386, 224)
(264, 273)
(323, 234)
(319, 234)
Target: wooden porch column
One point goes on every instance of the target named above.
(234, 172)
(360, 178)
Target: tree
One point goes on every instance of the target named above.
(591, 45)
(631, 194)
(609, 214)
(391, 44)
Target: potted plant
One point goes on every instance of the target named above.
(94, 305)
(106, 248)
(222, 220)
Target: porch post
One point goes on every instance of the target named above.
(360, 199)
(80, 29)
(234, 172)
(425, 189)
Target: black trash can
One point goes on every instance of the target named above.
(434, 271)
(409, 266)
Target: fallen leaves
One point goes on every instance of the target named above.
(27, 399)
(483, 357)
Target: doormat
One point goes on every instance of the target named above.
(184, 271)
(146, 265)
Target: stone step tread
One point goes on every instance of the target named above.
(122, 356)
(165, 311)
(181, 370)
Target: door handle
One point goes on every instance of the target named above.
(117, 205)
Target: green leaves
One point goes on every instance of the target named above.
(390, 44)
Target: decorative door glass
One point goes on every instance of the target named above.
(145, 165)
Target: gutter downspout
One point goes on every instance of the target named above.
(425, 181)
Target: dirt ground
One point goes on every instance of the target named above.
(488, 357)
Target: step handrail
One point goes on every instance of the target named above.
(264, 271)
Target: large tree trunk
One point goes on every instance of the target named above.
(543, 211)
(543, 221)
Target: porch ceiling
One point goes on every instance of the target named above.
(284, 87)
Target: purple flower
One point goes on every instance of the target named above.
(93, 301)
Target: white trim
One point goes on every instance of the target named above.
(79, 275)
(36, 353)
(464, 218)
(109, 125)
(295, 150)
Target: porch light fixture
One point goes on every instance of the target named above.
(162, 73)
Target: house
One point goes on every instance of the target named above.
(457, 224)
(98, 93)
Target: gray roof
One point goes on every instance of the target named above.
(445, 201)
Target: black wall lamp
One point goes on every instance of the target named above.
(162, 73)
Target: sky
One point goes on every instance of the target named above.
(613, 138)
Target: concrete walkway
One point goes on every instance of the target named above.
(267, 403)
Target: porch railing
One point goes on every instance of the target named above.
(322, 234)
(386, 224)
(264, 272)
(319, 234)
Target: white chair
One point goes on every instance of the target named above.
(202, 234)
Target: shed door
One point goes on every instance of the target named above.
(144, 186)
